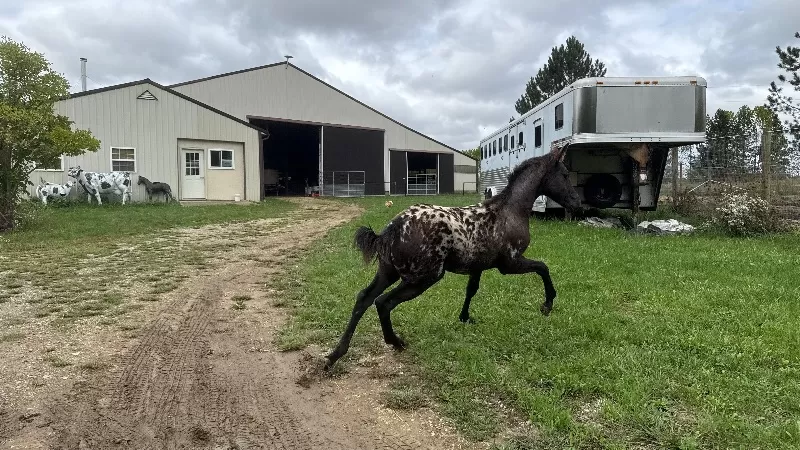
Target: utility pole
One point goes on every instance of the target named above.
(766, 162)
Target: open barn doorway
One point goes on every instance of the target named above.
(290, 157)
(423, 170)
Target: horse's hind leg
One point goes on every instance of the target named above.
(385, 303)
(472, 288)
(385, 277)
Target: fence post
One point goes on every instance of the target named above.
(675, 177)
(766, 162)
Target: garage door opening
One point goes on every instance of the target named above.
(290, 158)
(422, 171)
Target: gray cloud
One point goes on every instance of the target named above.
(449, 69)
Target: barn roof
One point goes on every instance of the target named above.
(252, 69)
(167, 89)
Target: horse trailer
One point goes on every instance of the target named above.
(618, 130)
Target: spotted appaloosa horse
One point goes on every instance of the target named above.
(423, 242)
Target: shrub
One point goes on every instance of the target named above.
(741, 214)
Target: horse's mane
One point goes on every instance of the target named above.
(516, 173)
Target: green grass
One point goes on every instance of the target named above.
(80, 222)
(654, 342)
(76, 262)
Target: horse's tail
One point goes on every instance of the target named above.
(368, 242)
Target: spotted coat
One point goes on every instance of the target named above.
(47, 190)
(426, 240)
(96, 183)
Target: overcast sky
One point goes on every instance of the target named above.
(449, 69)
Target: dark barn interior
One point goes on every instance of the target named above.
(290, 157)
(421, 163)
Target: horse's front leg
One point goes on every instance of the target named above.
(472, 288)
(521, 265)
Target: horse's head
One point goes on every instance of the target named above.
(556, 183)
(74, 172)
(141, 180)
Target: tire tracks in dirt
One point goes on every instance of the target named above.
(202, 375)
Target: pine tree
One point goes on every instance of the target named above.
(781, 102)
(565, 65)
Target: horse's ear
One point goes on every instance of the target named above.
(559, 153)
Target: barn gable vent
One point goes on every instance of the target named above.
(146, 95)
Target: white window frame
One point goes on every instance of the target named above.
(61, 162)
(210, 158)
(112, 159)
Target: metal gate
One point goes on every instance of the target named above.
(422, 184)
(350, 183)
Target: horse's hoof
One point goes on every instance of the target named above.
(545, 309)
(468, 319)
(398, 344)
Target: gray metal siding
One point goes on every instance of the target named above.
(152, 127)
(284, 92)
(646, 109)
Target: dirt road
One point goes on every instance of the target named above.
(203, 371)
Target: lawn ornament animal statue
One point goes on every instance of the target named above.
(96, 183)
(424, 241)
(47, 190)
(156, 187)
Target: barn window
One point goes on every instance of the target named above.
(123, 159)
(537, 137)
(512, 141)
(192, 163)
(520, 138)
(494, 151)
(221, 159)
(505, 142)
(57, 167)
(559, 116)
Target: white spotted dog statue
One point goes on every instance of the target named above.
(47, 190)
(96, 183)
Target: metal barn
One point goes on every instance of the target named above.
(269, 130)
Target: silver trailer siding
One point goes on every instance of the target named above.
(619, 130)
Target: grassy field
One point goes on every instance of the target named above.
(77, 262)
(80, 222)
(654, 342)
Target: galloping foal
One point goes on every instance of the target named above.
(424, 241)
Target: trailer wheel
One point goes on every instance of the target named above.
(602, 190)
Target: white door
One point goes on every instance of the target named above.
(194, 182)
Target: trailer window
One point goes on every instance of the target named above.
(559, 116)
(512, 141)
(520, 138)
(537, 136)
